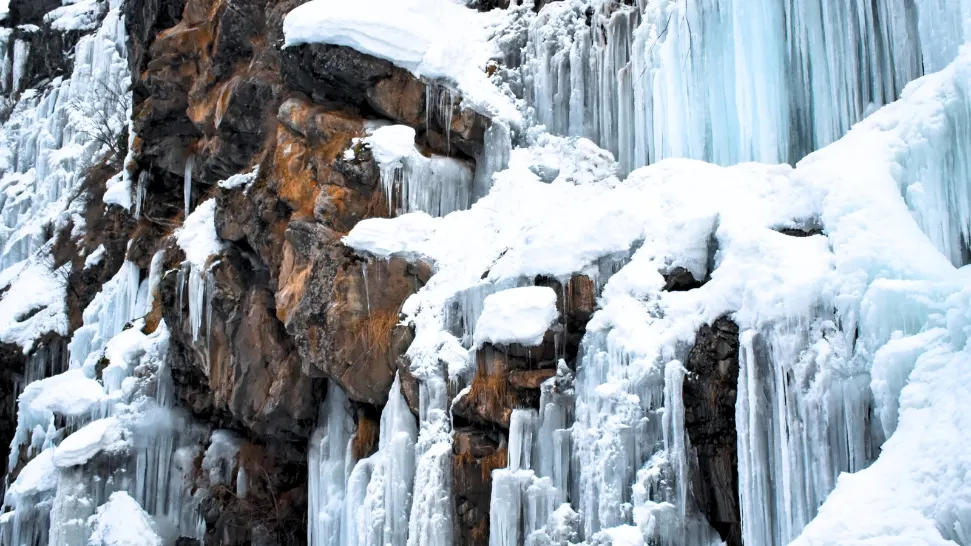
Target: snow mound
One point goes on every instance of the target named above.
(391, 144)
(118, 191)
(435, 39)
(37, 476)
(197, 237)
(78, 448)
(240, 180)
(122, 522)
(518, 315)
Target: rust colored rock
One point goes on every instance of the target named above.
(709, 393)
(409, 383)
(244, 368)
(357, 342)
(530, 379)
(492, 396)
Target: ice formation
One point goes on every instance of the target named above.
(74, 426)
(846, 335)
(412, 182)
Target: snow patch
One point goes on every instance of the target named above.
(122, 522)
(518, 315)
(197, 237)
(240, 180)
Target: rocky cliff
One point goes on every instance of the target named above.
(236, 335)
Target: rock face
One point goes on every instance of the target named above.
(287, 305)
(709, 393)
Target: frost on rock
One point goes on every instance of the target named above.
(518, 315)
(122, 522)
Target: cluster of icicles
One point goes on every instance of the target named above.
(724, 82)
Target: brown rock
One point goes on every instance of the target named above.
(530, 379)
(400, 97)
(477, 454)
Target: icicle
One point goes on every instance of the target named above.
(496, 150)
(799, 426)
(725, 82)
(187, 183)
(328, 469)
(140, 193)
(379, 491)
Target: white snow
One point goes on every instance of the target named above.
(518, 315)
(91, 439)
(118, 191)
(434, 39)
(827, 310)
(197, 237)
(33, 303)
(240, 180)
(76, 15)
(122, 522)
(37, 476)
(71, 393)
(95, 257)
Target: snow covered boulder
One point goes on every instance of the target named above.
(517, 316)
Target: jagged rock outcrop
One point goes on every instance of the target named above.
(709, 393)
